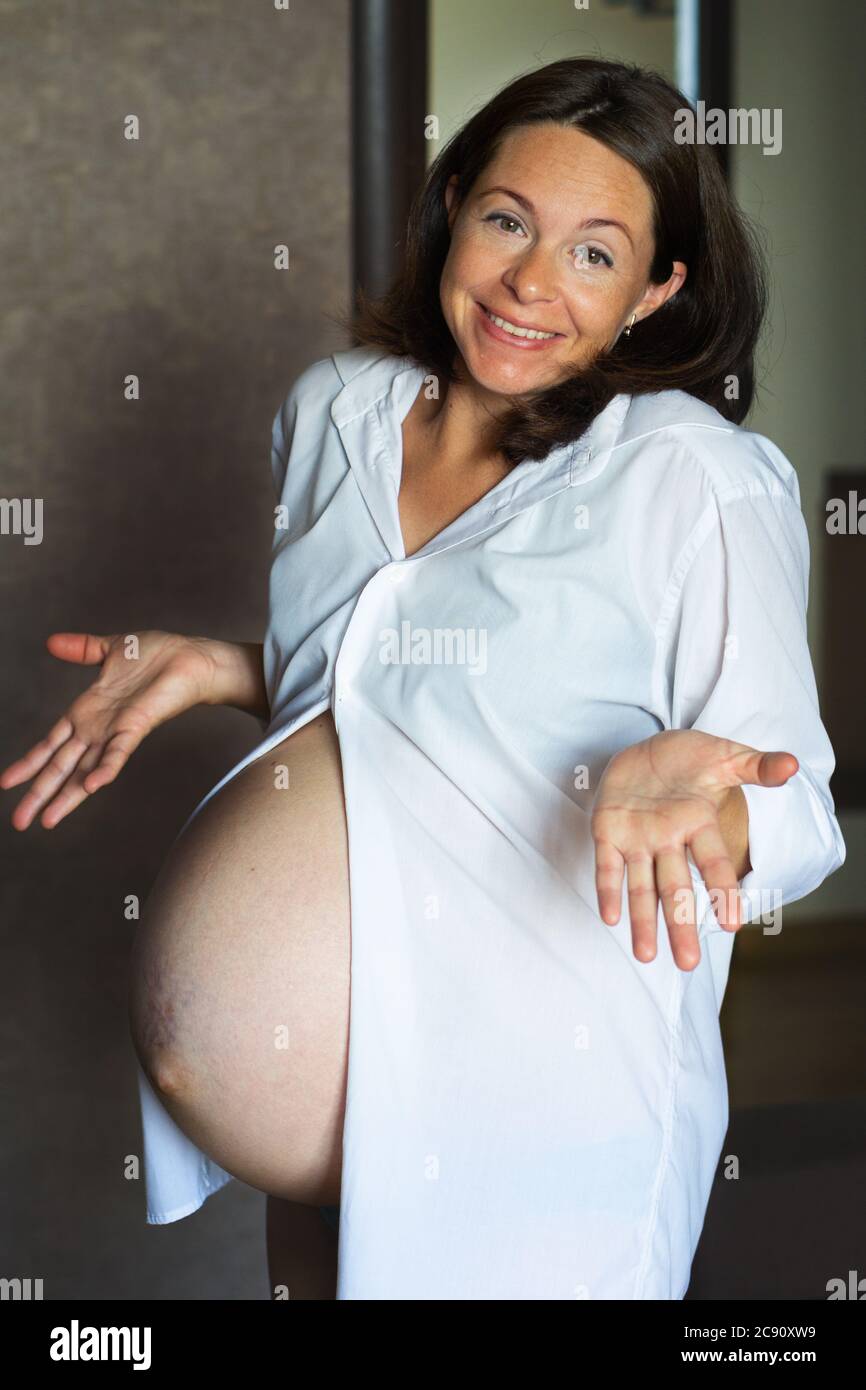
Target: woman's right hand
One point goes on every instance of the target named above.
(93, 740)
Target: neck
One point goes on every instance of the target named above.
(459, 428)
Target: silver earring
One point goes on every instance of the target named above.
(630, 326)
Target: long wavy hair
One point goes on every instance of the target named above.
(703, 336)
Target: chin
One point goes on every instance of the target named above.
(518, 379)
(519, 372)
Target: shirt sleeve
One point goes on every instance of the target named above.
(733, 660)
(282, 431)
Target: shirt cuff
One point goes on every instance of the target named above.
(794, 843)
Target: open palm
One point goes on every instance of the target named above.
(145, 679)
(656, 800)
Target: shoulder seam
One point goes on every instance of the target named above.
(767, 486)
(674, 425)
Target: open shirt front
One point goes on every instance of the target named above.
(531, 1112)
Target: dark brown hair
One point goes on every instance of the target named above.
(695, 342)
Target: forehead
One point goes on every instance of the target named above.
(559, 168)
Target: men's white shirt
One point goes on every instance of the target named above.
(531, 1112)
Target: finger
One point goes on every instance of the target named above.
(25, 768)
(73, 791)
(674, 884)
(83, 647)
(609, 873)
(643, 905)
(117, 753)
(48, 781)
(715, 866)
(751, 767)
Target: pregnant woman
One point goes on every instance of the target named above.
(447, 949)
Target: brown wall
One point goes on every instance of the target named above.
(153, 257)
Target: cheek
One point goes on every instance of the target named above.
(597, 305)
(476, 259)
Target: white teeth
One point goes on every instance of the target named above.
(518, 332)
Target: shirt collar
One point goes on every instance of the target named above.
(377, 392)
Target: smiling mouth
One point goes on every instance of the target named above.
(514, 330)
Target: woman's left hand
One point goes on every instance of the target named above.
(656, 800)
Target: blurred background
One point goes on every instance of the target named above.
(309, 127)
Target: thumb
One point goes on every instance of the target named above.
(765, 769)
(82, 647)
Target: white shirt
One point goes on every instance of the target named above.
(531, 1112)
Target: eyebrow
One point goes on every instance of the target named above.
(591, 222)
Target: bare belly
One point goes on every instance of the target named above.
(239, 983)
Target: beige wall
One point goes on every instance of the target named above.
(809, 200)
(156, 258)
(786, 55)
(476, 47)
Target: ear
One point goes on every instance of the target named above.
(654, 296)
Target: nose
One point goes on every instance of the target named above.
(532, 275)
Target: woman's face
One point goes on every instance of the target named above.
(534, 243)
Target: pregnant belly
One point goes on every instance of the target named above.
(239, 982)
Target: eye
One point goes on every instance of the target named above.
(502, 217)
(583, 259)
(581, 254)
